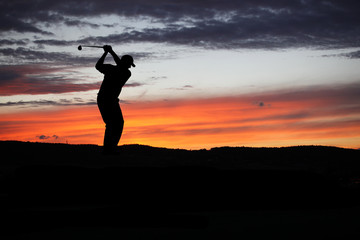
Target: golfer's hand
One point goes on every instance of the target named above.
(107, 48)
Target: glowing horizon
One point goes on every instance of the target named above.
(324, 116)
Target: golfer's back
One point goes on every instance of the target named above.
(115, 78)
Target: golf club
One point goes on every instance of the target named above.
(81, 47)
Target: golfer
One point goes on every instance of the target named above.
(115, 78)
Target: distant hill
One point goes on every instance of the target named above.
(321, 159)
(46, 188)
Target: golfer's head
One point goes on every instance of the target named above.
(128, 60)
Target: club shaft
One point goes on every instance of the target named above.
(92, 46)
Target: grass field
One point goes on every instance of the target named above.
(60, 191)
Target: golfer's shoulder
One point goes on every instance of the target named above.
(104, 68)
(125, 72)
(122, 71)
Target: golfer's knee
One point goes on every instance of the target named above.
(117, 126)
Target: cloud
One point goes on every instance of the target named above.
(185, 87)
(354, 55)
(10, 23)
(51, 139)
(6, 42)
(214, 24)
(42, 102)
(38, 79)
(351, 55)
(35, 79)
(262, 104)
(134, 84)
(42, 137)
(29, 56)
(22, 55)
(8, 76)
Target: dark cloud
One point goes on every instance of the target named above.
(38, 103)
(61, 102)
(6, 42)
(45, 137)
(8, 76)
(9, 23)
(185, 87)
(29, 56)
(34, 86)
(38, 79)
(260, 104)
(211, 24)
(55, 42)
(26, 55)
(42, 137)
(134, 84)
(79, 23)
(352, 55)
(34, 79)
(355, 54)
(268, 30)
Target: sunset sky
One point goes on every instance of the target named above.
(208, 73)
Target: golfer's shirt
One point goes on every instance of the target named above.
(115, 78)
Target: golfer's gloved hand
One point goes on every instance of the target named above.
(107, 48)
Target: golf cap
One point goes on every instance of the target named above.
(128, 59)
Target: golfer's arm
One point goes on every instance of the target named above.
(116, 58)
(100, 62)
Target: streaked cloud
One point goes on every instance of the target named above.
(29, 56)
(32, 79)
(38, 103)
(39, 79)
(355, 54)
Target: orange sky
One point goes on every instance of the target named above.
(263, 120)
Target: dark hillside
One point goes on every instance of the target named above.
(322, 159)
(73, 190)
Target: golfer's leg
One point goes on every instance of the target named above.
(108, 142)
(105, 110)
(119, 128)
(114, 127)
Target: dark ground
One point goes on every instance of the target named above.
(59, 191)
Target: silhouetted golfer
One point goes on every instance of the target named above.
(115, 78)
